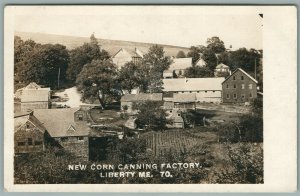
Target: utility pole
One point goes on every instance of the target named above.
(58, 77)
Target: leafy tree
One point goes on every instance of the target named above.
(98, 79)
(128, 76)
(223, 58)
(46, 65)
(84, 54)
(195, 53)
(210, 58)
(153, 65)
(215, 44)
(245, 59)
(180, 54)
(198, 72)
(151, 115)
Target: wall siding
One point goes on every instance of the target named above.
(34, 105)
(238, 90)
(28, 130)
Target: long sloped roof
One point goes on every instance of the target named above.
(239, 69)
(60, 122)
(142, 97)
(19, 121)
(193, 84)
(184, 97)
(221, 65)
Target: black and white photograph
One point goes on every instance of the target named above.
(138, 95)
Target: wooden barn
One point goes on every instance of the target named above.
(239, 87)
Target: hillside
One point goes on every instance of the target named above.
(112, 46)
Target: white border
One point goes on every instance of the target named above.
(280, 98)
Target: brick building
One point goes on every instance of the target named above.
(239, 87)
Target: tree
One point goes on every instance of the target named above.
(195, 53)
(245, 59)
(128, 76)
(98, 79)
(215, 44)
(151, 115)
(45, 65)
(210, 58)
(180, 54)
(198, 72)
(154, 64)
(223, 58)
(82, 55)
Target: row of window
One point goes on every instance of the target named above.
(235, 96)
(30, 142)
(65, 139)
(250, 86)
(194, 91)
(234, 78)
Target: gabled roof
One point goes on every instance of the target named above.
(32, 85)
(200, 62)
(192, 84)
(221, 65)
(184, 98)
(19, 121)
(180, 63)
(133, 53)
(142, 97)
(59, 121)
(239, 69)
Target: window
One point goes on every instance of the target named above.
(29, 140)
(227, 96)
(243, 86)
(243, 96)
(242, 77)
(197, 91)
(80, 138)
(190, 91)
(205, 91)
(227, 86)
(233, 77)
(250, 95)
(38, 142)
(213, 91)
(234, 86)
(182, 91)
(250, 86)
(234, 95)
(170, 111)
(27, 126)
(80, 117)
(21, 143)
(178, 114)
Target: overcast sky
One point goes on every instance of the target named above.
(186, 29)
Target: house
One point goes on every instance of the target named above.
(30, 135)
(34, 97)
(128, 100)
(68, 127)
(222, 70)
(178, 67)
(175, 119)
(239, 87)
(205, 89)
(201, 63)
(124, 56)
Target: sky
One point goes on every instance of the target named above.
(238, 30)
